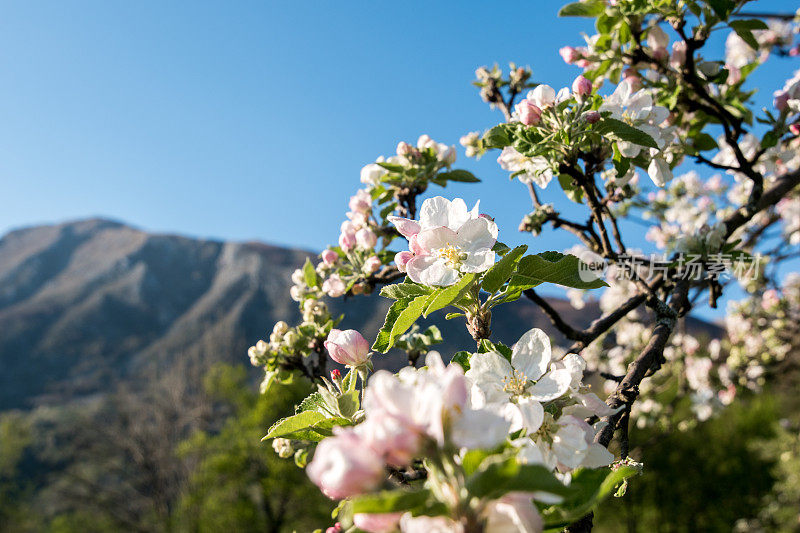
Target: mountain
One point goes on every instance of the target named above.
(89, 304)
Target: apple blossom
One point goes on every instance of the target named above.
(366, 238)
(347, 347)
(581, 86)
(377, 522)
(372, 173)
(329, 257)
(372, 264)
(569, 54)
(451, 240)
(341, 469)
(514, 512)
(334, 286)
(528, 113)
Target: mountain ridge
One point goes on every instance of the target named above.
(87, 304)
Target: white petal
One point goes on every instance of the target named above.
(477, 234)
(487, 372)
(457, 214)
(478, 428)
(431, 239)
(532, 414)
(430, 270)
(478, 261)
(434, 212)
(531, 354)
(552, 385)
(597, 456)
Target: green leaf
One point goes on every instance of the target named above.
(348, 404)
(391, 501)
(590, 487)
(620, 131)
(473, 459)
(552, 267)
(402, 314)
(750, 24)
(500, 248)
(312, 402)
(310, 274)
(393, 167)
(451, 316)
(497, 137)
(464, 176)
(292, 424)
(495, 277)
(452, 294)
(582, 9)
(721, 8)
(703, 141)
(399, 291)
(744, 29)
(495, 478)
(575, 194)
(383, 341)
(462, 358)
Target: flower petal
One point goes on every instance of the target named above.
(431, 270)
(531, 354)
(552, 385)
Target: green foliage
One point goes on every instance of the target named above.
(620, 131)
(702, 479)
(495, 277)
(240, 484)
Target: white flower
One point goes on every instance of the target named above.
(513, 513)
(451, 240)
(372, 173)
(637, 109)
(737, 52)
(535, 169)
(659, 171)
(566, 444)
(518, 386)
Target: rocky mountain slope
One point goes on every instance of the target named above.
(86, 305)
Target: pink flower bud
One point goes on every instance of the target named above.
(361, 202)
(401, 259)
(591, 117)
(569, 54)
(795, 128)
(329, 257)
(377, 522)
(366, 238)
(347, 347)
(336, 375)
(347, 240)
(581, 86)
(794, 51)
(403, 148)
(372, 264)
(734, 75)
(342, 467)
(528, 113)
(334, 286)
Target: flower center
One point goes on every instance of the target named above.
(451, 254)
(627, 117)
(516, 383)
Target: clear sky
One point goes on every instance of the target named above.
(251, 120)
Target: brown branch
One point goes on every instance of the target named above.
(648, 361)
(556, 319)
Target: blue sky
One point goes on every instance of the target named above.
(251, 120)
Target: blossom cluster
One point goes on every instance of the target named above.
(521, 400)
